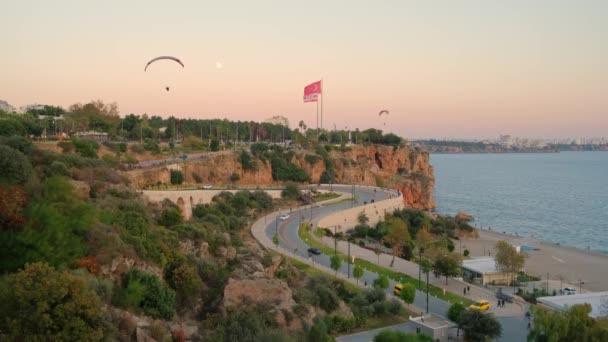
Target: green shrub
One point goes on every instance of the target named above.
(86, 148)
(197, 178)
(183, 277)
(170, 217)
(177, 177)
(311, 159)
(15, 167)
(215, 145)
(466, 253)
(235, 177)
(283, 170)
(291, 191)
(22, 144)
(246, 161)
(41, 304)
(144, 292)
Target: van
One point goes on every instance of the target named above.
(397, 289)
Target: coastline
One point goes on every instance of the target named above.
(560, 262)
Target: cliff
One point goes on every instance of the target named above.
(403, 168)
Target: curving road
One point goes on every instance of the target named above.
(514, 326)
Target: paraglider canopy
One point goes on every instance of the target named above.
(163, 57)
(384, 111)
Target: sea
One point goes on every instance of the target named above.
(554, 197)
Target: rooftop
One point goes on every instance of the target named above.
(433, 321)
(481, 265)
(597, 300)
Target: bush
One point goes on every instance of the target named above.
(170, 217)
(263, 199)
(466, 253)
(327, 177)
(283, 170)
(197, 178)
(41, 304)
(235, 177)
(144, 292)
(66, 146)
(215, 145)
(15, 167)
(183, 278)
(381, 282)
(291, 191)
(246, 162)
(311, 159)
(86, 148)
(177, 177)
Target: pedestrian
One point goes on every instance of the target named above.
(468, 289)
(499, 303)
(503, 303)
(366, 284)
(464, 291)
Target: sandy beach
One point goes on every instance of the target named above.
(561, 263)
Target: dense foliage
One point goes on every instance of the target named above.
(144, 292)
(41, 304)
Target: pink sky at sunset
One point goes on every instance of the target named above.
(443, 68)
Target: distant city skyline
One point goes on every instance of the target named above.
(476, 69)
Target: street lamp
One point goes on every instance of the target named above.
(420, 251)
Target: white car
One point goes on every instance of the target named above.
(284, 217)
(207, 186)
(567, 291)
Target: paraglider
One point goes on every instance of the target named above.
(383, 112)
(161, 58)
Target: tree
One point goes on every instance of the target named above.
(448, 265)
(362, 218)
(15, 167)
(357, 272)
(318, 332)
(381, 282)
(574, 324)
(183, 278)
(479, 326)
(400, 336)
(378, 251)
(177, 177)
(215, 145)
(336, 263)
(454, 313)
(408, 293)
(291, 191)
(41, 304)
(507, 259)
(398, 235)
(235, 177)
(423, 238)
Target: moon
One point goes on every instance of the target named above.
(218, 65)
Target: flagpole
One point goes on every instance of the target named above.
(322, 96)
(317, 114)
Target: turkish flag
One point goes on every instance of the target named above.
(312, 92)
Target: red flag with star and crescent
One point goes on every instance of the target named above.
(312, 92)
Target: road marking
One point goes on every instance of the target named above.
(558, 259)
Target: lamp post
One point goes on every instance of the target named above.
(335, 241)
(348, 261)
(427, 290)
(420, 251)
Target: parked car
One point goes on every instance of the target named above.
(567, 291)
(207, 186)
(481, 305)
(184, 156)
(397, 289)
(314, 251)
(284, 217)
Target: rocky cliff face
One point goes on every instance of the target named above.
(404, 168)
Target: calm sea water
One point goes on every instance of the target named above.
(559, 197)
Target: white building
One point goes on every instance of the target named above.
(5, 106)
(597, 300)
(484, 269)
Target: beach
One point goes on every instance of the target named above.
(562, 263)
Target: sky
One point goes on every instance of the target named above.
(466, 69)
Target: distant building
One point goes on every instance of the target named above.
(92, 135)
(27, 108)
(5, 106)
(597, 300)
(278, 120)
(484, 269)
(434, 326)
